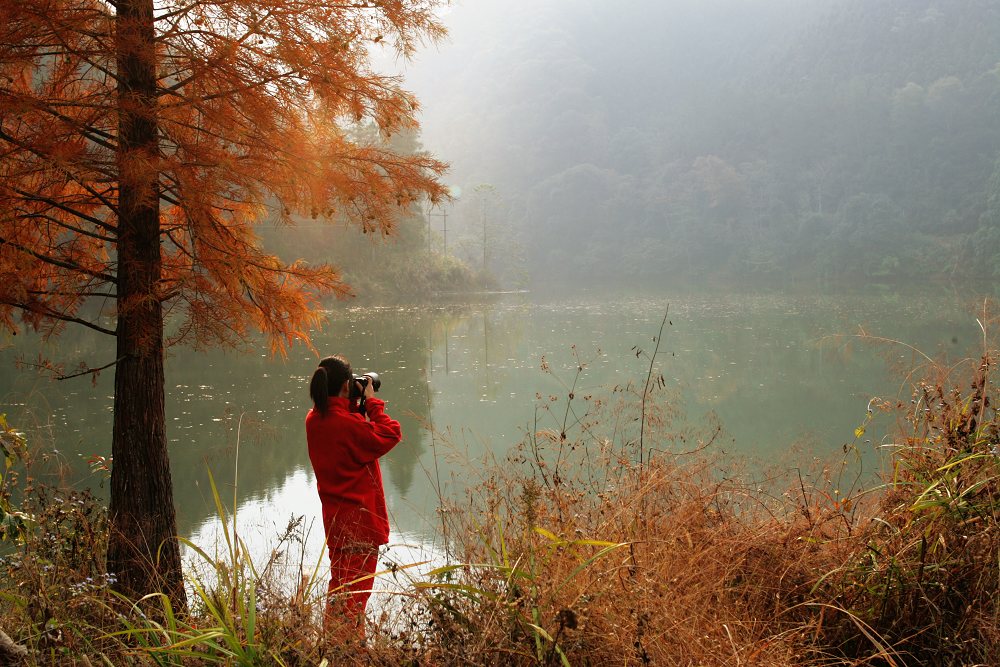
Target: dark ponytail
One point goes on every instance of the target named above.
(319, 390)
(327, 381)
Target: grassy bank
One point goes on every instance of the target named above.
(612, 535)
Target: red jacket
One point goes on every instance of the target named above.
(344, 449)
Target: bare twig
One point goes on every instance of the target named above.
(90, 371)
(645, 391)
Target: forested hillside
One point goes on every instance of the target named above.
(841, 139)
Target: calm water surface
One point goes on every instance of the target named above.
(778, 372)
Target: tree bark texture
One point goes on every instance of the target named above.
(143, 551)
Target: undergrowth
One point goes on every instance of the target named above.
(613, 534)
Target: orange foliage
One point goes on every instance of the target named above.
(254, 98)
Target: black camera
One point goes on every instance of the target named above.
(361, 381)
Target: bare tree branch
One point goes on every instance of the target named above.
(89, 371)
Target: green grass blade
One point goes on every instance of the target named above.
(587, 563)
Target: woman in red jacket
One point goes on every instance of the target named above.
(344, 448)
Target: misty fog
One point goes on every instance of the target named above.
(708, 142)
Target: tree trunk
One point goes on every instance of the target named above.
(143, 552)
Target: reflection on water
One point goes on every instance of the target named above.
(773, 369)
(282, 528)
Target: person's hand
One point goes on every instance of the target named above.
(369, 389)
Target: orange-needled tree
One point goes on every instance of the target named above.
(141, 141)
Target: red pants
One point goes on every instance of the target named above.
(346, 596)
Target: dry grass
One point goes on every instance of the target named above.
(579, 550)
(579, 554)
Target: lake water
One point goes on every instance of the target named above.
(778, 372)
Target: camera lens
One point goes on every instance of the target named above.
(361, 381)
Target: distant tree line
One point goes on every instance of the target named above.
(412, 261)
(847, 139)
